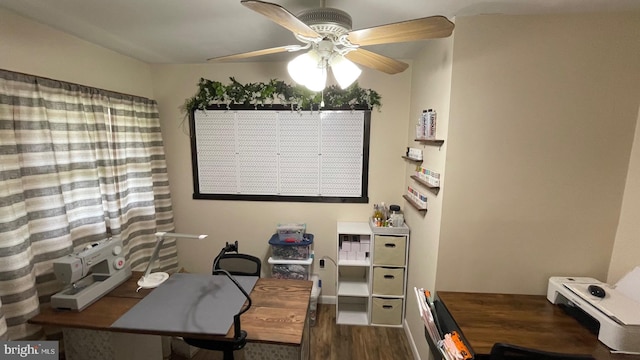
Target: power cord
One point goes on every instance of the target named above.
(322, 259)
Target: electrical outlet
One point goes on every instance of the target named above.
(321, 263)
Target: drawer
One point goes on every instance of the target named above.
(386, 311)
(388, 281)
(389, 250)
(290, 271)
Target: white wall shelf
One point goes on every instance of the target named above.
(364, 263)
(353, 287)
(352, 313)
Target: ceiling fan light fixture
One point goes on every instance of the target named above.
(329, 31)
(317, 79)
(299, 66)
(309, 70)
(344, 70)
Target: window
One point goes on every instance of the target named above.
(281, 155)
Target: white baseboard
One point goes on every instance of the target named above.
(327, 299)
(412, 343)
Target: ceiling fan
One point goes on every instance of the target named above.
(327, 33)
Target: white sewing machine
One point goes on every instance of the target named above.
(89, 274)
(617, 314)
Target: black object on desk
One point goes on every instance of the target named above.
(235, 264)
(446, 324)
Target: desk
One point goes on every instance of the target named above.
(525, 320)
(278, 314)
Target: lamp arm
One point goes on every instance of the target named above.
(239, 336)
(155, 253)
(180, 235)
(160, 240)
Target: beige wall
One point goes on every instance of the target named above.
(430, 88)
(626, 250)
(543, 112)
(32, 48)
(253, 222)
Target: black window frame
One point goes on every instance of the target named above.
(363, 198)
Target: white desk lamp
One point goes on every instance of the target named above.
(149, 280)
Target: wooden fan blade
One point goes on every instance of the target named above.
(250, 54)
(281, 16)
(419, 29)
(376, 61)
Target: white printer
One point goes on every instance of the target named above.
(617, 313)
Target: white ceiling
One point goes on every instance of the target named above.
(191, 31)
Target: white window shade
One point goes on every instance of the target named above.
(281, 155)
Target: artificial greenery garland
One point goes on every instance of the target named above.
(211, 93)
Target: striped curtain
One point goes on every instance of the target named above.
(77, 164)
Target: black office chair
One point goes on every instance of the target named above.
(502, 351)
(238, 265)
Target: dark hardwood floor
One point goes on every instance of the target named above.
(342, 342)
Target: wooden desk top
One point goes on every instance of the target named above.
(525, 320)
(277, 314)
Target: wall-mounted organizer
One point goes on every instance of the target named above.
(428, 179)
(416, 199)
(425, 178)
(413, 154)
(371, 285)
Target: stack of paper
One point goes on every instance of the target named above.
(450, 344)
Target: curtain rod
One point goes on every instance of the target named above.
(23, 77)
